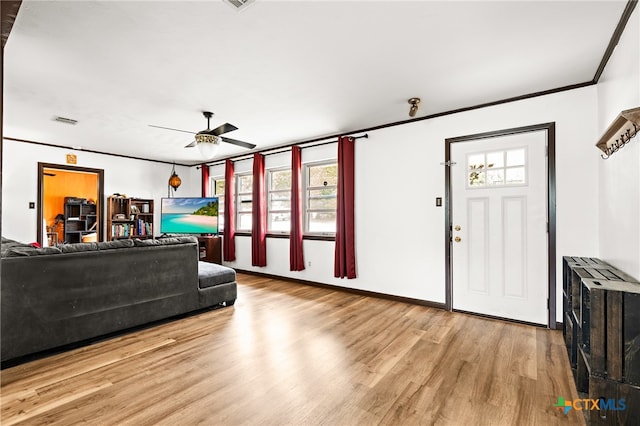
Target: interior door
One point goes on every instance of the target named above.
(499, 226)
(55, 183)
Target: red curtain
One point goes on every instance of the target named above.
(205, 180)
(296, 257)
(259, 214)
(229, 236)
(345, 254)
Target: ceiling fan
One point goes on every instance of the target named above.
(208, 140)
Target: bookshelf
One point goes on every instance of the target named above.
(129, 218)
(80, 219)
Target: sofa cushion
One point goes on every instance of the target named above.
(27, 250)
(78, 247)
(10, 242)
(177, 240)
(211, 274)
(164, 241)
(115, 244)
(144, 243)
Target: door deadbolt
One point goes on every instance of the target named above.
(457, 239)
(457, 228)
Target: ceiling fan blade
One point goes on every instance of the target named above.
(169, 128)
(191, 145)
(237, 142)
(225, 128)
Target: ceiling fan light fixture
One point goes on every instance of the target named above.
(207, 145)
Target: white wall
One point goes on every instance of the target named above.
(399, 230)
(135, 178)
(619, 89)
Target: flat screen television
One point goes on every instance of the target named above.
(189, 215)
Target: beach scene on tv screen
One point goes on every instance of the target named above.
(189, 215)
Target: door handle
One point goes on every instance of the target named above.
(457, 239)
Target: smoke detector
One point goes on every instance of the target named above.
(65, 120)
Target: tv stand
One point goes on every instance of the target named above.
(209, 249)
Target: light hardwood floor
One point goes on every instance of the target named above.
(288, 353)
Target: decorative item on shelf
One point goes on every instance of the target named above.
(75, 200)
(414, 106)
(624, 128)
(119, 216)
(174, 180)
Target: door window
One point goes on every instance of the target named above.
(497, 168)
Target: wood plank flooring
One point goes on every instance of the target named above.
(288, 353)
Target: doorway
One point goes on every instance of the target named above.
(500, 224)
(64, 192)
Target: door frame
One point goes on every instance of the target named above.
(99, 201)
(550, 128)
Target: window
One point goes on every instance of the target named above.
(279, 201)
(497, 169)
(218, 191)
(244, 202)
(321, 182)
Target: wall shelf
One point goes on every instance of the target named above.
(624, 128)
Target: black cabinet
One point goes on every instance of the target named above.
(80, 220)
(210, 249)
(602, 334)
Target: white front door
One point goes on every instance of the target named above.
(499, 220)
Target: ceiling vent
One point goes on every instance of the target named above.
(66, 120)
(239, 4)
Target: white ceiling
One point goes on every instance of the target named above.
(281, 71)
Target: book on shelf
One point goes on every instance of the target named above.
(143, 228)
(121, 230)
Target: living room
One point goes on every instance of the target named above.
(597, 201)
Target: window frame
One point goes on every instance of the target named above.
(525, 166)
(213, 185)
(307, 190)
(268, 193)
(238, 178)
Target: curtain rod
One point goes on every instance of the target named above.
(278, 150)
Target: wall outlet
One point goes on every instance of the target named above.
(309, 263)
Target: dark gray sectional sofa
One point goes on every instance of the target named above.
(51, 297)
